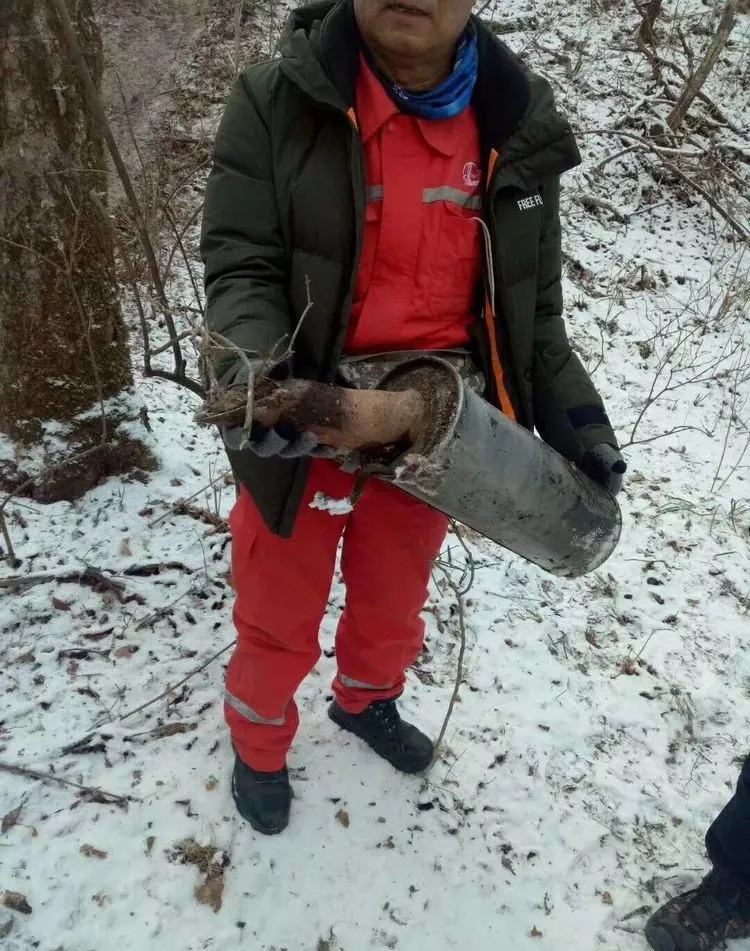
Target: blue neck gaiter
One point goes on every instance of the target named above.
(452, 96)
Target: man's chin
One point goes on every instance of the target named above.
(403, 44)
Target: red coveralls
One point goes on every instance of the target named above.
(416, 285)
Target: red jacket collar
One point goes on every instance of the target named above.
(375, 108)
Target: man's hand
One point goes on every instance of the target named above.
(604, 465)
(282, 440)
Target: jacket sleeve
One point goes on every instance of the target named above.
(241, 241)
(568, 411)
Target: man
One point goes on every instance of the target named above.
(719, 908)
(350, 182)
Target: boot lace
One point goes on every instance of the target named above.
(387, 715)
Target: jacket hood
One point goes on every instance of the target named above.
(304, 18)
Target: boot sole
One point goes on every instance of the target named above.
(659, 939)
(405, 770)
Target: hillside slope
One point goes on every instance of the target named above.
(601, 722)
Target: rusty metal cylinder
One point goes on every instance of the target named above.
(497, 478)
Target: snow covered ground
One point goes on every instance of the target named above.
(601, 722)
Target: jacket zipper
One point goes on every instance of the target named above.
(356, 157)
(490, 297)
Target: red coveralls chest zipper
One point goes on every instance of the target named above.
(416, 286)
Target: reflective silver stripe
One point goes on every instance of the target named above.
(351, 682)
(375, 193)
(248, 713)
(453, 195)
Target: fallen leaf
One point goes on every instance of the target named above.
(91, 853)
(171, 729)
(125, 549)
(11, 819)
(536, 933)
(591, 638)
(127, 651)
(150, 844)
(15, 901)
(60, 605)
(98, 635)
(100, 899)
(506, 862)
(343, 816)
(607, 898)
(211, 784)
(211, 891)
(6, 928)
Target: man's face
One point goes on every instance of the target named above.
(406, 28)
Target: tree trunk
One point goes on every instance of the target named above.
(698, 78)
(64, 360)
(651, 12)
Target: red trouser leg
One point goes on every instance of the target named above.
(390, 543)
(282, 588)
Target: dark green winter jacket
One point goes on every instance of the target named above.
(286, 202)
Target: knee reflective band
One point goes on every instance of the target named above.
(361, 685)
(496, 477)
(248, 713)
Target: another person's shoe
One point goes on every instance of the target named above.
(381, 727)
(702, 919)
(263, 799)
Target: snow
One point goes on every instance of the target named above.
(325, 503)
(601, 722)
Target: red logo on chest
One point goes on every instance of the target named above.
(472, 175)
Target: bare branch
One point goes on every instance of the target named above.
(460, 612)
(171, 689)
(91, 793)
(716, 205)
(238, 35)
(698, 78)
(12, 558)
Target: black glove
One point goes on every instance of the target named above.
(604, 465)
(286, 442)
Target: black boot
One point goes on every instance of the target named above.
(263, 799)
(381, 727)
(719, 909)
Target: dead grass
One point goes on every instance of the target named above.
(210, 862)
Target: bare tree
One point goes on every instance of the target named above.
(695, 81)
(64, 357)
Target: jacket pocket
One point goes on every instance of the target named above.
(456, 261)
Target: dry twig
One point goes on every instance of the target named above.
(460, 609)
(171, 689)
(90, 793)
(182, 505)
